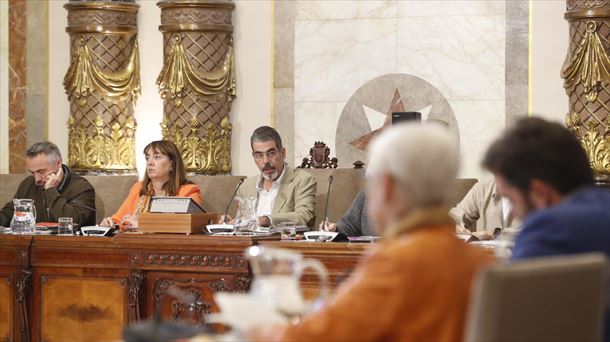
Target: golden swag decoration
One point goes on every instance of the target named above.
(102, 85)
(197, 81)
(178, 73)
(84, 77)
(590, 65)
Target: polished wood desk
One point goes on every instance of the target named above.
(55, 288)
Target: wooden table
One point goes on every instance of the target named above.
(54, 288)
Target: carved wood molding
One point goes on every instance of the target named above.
(185, 260)
(24, 277)
(242, 283)
(134, 288)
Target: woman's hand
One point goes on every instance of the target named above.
(106, 222)
(129, 221)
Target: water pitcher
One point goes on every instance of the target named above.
(246, 214)
(24, 216)
(277, 274)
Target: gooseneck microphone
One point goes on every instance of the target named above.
(241, 181)
(330, 182)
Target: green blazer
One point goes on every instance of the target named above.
(295, 198)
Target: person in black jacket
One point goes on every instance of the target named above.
(56, 191)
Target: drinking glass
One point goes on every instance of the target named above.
(64, 226)
(288, 230)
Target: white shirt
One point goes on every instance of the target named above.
(266, 198)
(507, 207)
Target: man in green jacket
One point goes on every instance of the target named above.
(282, 193)
(56, 191)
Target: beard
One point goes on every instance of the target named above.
(269, 176)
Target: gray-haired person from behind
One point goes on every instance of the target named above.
(56, 190)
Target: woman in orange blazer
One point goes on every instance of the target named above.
(165, 176)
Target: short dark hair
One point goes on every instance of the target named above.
(535, 148)
(44, 147)
(266, 133)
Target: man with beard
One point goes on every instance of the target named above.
(544, 171)
(282, 193)
(414, 285)
(56, 191)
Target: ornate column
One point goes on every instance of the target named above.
(197, 81)
(586, 74)
(102, 84)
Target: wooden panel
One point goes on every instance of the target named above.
(199, 288)
(81, 308)
(89, 288)
(7, 310)
(176, 223)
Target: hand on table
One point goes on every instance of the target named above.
(461, 230)
(129, 221)
(328, 226)
(228, 218)
(264, 221)
(106, 222)
(54, 179)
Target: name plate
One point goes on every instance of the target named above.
(175, 205)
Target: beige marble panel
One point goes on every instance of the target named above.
(334, 58)
(283, 109)
(283, 44)
(433, 8)
(316, 121)
(517, 60)
(37, 41)
(341, 9)
(480, 122)
(463, 56)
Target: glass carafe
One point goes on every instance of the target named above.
(246, 215)
(277, 275)
(24, 216)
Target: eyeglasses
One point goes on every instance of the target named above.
(271, 154)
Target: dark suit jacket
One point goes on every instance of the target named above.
(580, 224)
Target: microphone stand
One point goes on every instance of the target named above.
(241, 181)
(330, 182)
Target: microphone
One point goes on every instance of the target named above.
(82, 204)
(330, 182)
(241, 181)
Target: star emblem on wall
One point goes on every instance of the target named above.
(379, 121)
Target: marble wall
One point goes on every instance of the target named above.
(4, 87)
(24, 81)
(338, 66)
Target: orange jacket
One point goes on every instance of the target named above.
(130, 204)
(414, 286)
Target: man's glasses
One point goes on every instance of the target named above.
(271, 154)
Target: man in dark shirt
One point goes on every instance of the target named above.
(355, 221)
(56, 191)
(544, 171)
